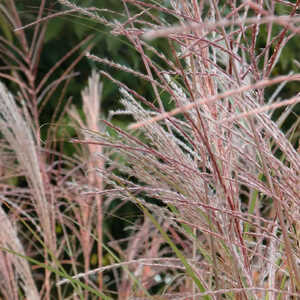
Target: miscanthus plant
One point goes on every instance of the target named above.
(205, 160)
(214, 175)
(38, 207)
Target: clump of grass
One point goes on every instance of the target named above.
(205, 161)
(35, 190)
(214, 176)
